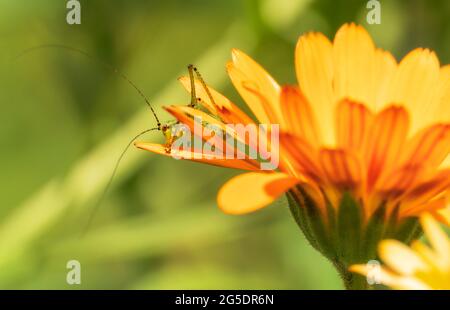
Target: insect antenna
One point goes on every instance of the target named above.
(159, 125)
(102, 63)
(113, 174)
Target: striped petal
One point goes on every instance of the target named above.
(302, 156)
(298, 115)
(388, 134)
(428, 189)
(353, 121)
(251, 191)
(430, 145)
(198, 156)
(341, 168)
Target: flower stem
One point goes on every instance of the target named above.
(351, 280)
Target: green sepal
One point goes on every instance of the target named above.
(310, 220)
(373, 233)
(349, 228)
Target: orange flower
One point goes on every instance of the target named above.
(364, 140)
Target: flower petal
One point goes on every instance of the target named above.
(388, 135)
(354, 64)
(384, 70)
(414, 85)
(341, 168)
(442, 112)
(298, 115)
(443, 215)
(314, 68)
(353, 122)
(302, 156)
(430, 145)
(437, 237)
(428, 189)
(199, 156)
(400, 258)
(219, 105)
(251, 191)
(259, 90)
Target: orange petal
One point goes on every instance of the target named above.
(341, 168)
(396, 183)
(298, 115)
(199, 156)
(443, 215)
(302, 156)
(429, 189)
(314, 68)
(354, 64)
(251, 191)
(432, 207)
(259, 90)
(414, 85)
(386, 140)
(430, 145)
(353, 123)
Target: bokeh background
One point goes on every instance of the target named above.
(65, 119)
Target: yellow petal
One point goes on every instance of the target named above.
(252, 191)
(314, 68)
(442, 112)
(354, 64)
(384, 70)
(390, 279)
(414, 86)
(400, 258)
(437, 237)
(259, 90)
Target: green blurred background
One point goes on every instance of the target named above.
(65, 120)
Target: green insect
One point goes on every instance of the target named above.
(167, 128)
